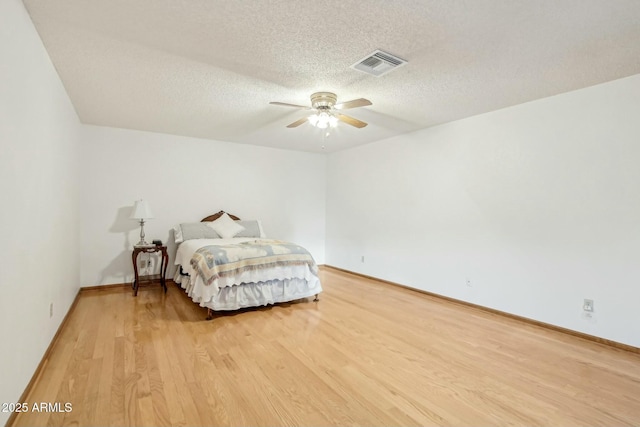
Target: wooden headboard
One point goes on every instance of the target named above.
(218, 215)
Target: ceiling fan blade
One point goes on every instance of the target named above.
(360, 102)
(297, 122)
(351, 121)
(284, 104)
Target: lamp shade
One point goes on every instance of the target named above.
(141, 210)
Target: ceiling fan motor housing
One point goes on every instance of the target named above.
(323, 100)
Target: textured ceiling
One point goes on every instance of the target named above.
(208, 69)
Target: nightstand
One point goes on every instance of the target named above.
(150, 278)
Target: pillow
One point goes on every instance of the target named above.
(194, 230)
(225, 226)
(252, 228)
(177, 234)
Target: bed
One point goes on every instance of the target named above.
(224, 263)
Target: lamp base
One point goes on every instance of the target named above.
(142, 242)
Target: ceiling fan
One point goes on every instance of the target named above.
(327, 111)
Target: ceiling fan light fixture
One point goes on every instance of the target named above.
(323, 120)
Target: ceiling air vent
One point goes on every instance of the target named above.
(378, 63)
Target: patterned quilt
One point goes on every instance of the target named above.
(216, 261)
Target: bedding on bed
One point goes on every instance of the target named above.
(227, 274)
(217, 261)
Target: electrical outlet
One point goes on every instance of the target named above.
(50, 310)
(362, 259)
(588, 305)
(468, 282)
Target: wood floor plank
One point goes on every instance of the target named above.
(367, 353)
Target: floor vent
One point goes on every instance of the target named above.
(378, 63)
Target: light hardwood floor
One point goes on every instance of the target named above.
(367, 353)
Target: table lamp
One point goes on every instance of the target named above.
(141, 212)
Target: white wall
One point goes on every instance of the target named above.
(537, 205)
(39, 188)
(184, 180)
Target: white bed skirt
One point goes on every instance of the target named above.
(254, 294)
